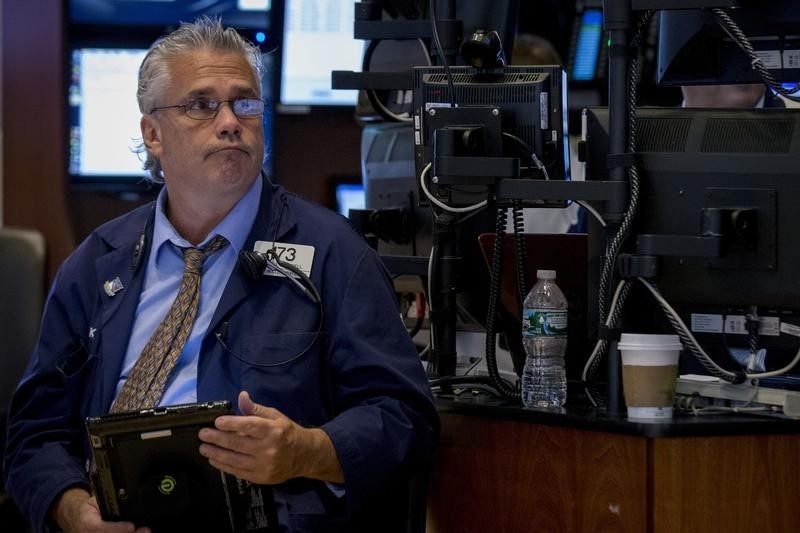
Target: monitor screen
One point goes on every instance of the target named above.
(718, 192)
(349, 196)
(529, 124)
(317, 39)
(102, 85)
(252, 14)
(694, 48)
(588, 40)
(137, 23)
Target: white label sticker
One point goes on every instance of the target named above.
(298, 255)
(433, 105)
(702, 323)
(544, 114)
(156, 434)
(791, 58)
(771, 59)
(735, 324)
(790, 329)
(769, 325)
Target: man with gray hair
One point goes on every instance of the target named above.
(332, 404)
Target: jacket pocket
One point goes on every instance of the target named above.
(273, 350)
(79, 371)
(74, 363)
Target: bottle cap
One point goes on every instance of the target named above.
(546, 274)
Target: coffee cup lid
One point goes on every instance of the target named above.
(646, 341)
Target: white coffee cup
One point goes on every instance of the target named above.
(649, 372)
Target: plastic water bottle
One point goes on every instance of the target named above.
(544, 336)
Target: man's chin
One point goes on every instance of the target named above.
(235, 176)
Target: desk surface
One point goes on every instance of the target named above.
(579, 414)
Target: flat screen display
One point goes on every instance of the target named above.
(587, 46)
(108, 40)
(349, 196)
(317, 39)
(239, 13)
(104, 116)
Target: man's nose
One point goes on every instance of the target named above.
(226, 122)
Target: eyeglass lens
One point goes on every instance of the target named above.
(243, 107)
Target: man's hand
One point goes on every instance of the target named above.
(76, 511)
(265, 446)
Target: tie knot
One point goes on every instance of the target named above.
(193, 257)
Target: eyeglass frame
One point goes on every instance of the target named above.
(231, 103)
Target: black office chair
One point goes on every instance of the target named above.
(22, 286)
(417, 501)
(21, 299)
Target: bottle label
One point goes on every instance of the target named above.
(544, 323)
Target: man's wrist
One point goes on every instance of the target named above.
(63, 511)
(322, 462)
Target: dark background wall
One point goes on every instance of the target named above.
(34, 159)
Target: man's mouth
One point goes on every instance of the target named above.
(226, 149)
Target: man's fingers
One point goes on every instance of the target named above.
(253, 426)
(227, 460)
(234, 439)
(231, 469)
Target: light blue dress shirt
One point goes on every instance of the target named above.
(164, 271)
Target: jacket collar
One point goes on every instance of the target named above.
(120, 268)
(128, 248)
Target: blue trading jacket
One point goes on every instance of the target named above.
(361, 381)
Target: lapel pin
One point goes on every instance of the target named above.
(113, 287)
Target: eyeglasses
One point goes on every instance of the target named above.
(207, 108)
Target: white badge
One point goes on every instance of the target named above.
(298, 255)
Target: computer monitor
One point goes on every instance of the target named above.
(317, 38)
(387, 169)
(250, 17)
(349, 196)
(103, 85)
(107, 40)
(521, 112)
(694, 49)
(587, 55)
(731, 173)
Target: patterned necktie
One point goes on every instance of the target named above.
(145, 384)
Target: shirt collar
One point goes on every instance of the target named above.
(235, 227)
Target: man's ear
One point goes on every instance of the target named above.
(151, 134)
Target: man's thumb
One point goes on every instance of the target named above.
(247, 406)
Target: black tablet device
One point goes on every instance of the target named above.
(148, 470)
